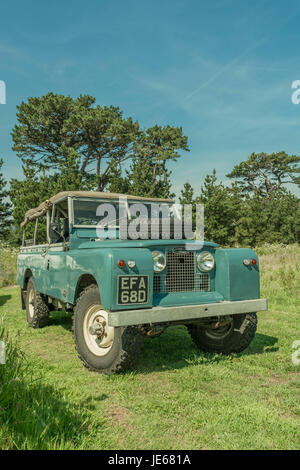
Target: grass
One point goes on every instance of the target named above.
(175, 398)
(33, 414)
(280, 279)
(8, 265)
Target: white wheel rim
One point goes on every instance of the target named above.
(31, 302)
(102, 343)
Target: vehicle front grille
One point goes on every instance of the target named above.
(181, 274)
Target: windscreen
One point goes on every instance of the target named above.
(91, 213)
(131, 219)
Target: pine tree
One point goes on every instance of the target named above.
(5, 208)
(117, 182)
(147, 178)
(222, 208)
(274, 218)
(187, 194)
(48, 125)
(70, 177)
(266, 173)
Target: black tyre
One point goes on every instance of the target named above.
(36, 307)
(233, 337)
(102, 348)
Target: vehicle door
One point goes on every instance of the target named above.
(41, 246)
(55, 257)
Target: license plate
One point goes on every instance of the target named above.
(133, 290)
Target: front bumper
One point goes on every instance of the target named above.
(185, 312)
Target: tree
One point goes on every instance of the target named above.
(159, 145)
(144, 181)
(148, 174)
(36, 187)
(265, 173)
(42, 130)
(106, 137)
(24, 195)
(222, 209)
(68, 144)
(5, 207)
(52, 126)
(69, 175)
(187, 197)
(117, 182)
(187, 194)
(274, 218)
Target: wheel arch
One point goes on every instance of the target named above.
(27, 276)
(84, 281)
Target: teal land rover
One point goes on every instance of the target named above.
(120, 290)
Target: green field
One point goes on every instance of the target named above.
(175, 398)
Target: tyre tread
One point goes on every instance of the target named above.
(131, 342)
(241, 338)
(41, 309)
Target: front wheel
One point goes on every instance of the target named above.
(231, 337)
(102, 348)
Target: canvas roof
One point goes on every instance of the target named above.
(46, 205)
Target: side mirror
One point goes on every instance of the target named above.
(54, 231)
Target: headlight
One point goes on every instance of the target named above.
(205, 261)
(159, 261)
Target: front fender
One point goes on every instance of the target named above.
(143, 265)
(102, 264)
(234, 280)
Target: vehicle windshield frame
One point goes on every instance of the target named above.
(128, 202)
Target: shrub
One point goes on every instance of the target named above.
(8, 265)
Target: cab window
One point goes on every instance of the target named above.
(59, 225)
(41, 231)
(35, 232)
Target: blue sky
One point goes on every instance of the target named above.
(222, 70)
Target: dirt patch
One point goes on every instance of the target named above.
(120, 416)
(294, 376)
(278, 379)
(275, 379)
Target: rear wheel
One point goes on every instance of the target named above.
(102, 348)
(232, 337)
(36, 307)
